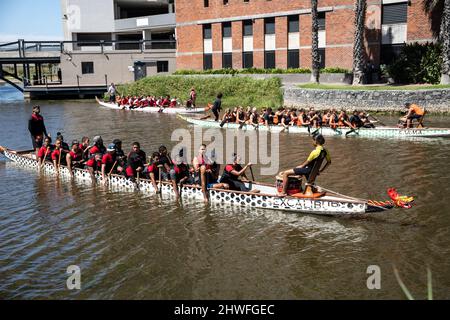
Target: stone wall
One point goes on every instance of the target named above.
(435, 101)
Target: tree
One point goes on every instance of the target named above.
(439, 15)
(315, 43)
(358, 44)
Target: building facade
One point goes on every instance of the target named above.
(215, 34)
(117, 40)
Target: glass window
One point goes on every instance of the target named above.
(226, 29)
(247, 58)
(322, 58)
(395, 13)
(87, 67)
(162, 66)
(227, 60)
(321, 20)
(207, 61)
(293, 24)
(248, 28)
(269, 26)
(207, 31)
(293, 59)
(206, 3)
(269, 59)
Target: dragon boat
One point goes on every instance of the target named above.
(323, 202)
(377, 132)
(150, 109)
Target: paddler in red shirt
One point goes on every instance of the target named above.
(94, 164)
(75, 157)
(57, 155)
(44, 152)
(109, 162)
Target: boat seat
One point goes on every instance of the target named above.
(310, 190)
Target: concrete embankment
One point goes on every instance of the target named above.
(435, 101)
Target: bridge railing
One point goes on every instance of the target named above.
(28, 47)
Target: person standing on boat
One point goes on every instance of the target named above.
(306, 167)
(193, 96)
(112, 93)
(37, 128)
(217, 107)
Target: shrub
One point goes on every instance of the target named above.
(417, 63)
(334, 70)
(259, 71)
(236, 91)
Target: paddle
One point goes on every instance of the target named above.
(59, 160)
(369, 115)
(137, 180)
(251, 172)
(159, 173)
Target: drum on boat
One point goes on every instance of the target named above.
(294, 184)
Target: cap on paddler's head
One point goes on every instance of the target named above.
(111, 147)
(59, 136)
(97, 139)
(74, 142)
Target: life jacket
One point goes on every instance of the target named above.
(76, 156)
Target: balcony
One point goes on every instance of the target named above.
(148, 22)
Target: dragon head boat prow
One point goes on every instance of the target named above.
(400, 201)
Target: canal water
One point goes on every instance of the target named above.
(136, 246)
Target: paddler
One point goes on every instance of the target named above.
(45, 152)
(168, 171)
(37, 128)
(305, 168)
(109, 162)
(57, 155)
(94, 164)
(200, 164)
(75, 157)
(232, 174)
(414, 112)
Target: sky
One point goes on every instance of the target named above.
(30, 20)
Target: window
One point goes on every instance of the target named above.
(390, 52)
(269, 26)
(225, 2)
(322, 58)
(395, 13)
(321, 20)
(248, 28)
(162, 66)
(207, 31)
(293, 25)
(246, 0)
(207, 61)
(247, 58)
(269, 59)
(293, 60)
(87, 67)
(206, 3)
(227, 60)
(226, 30)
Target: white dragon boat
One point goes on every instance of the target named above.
(150, 109)
(378, 132)
(329, 203)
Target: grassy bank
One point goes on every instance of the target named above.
(236, 91)
(372, 87)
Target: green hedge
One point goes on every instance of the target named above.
(259, 71)
(417, 63)
(236, 91)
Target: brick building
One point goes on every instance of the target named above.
(277, 33)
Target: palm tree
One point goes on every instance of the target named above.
(439, 15)
(315, 43)
(358, 45)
